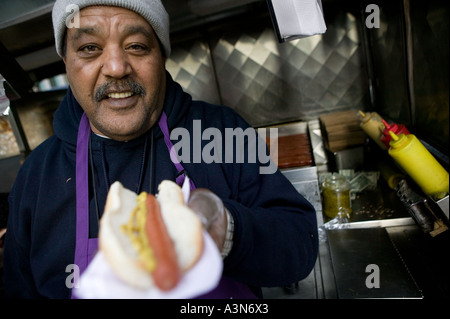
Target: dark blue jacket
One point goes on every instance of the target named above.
(275, 238)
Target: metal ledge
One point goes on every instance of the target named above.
(405, 221)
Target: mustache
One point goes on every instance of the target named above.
(127, 85)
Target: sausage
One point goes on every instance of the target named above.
(166, 273)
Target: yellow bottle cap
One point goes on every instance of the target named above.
(365, 117)
(394, 136)
(397, 140)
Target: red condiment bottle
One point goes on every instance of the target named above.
(397, 129)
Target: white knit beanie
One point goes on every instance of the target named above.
(151, 10)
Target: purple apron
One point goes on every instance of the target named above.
(85, 247)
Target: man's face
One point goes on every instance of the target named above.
(116, 71)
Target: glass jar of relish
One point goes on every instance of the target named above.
(336, 196)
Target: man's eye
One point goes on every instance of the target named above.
(137, 47)
(89, 48)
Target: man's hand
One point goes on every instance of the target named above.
(212, 213)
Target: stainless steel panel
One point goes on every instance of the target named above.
(318, 147)
(426, 258)
(352, 250)
(297, 175)
(270, 83)
(393, 222)
(305, 181)
(327, 285)
(190, 65)
(351, 158)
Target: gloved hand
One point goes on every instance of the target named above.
(212, 212)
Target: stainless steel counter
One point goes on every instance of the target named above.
(379, 253)
(367, 265)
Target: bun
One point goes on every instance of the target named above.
(170, 192)
(183, 225)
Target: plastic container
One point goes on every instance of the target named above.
(372, 125)
(336, 196)
(395, 128)
(413, 157)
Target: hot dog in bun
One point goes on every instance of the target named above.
(150, 241)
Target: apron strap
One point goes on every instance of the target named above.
(82, 195)
(85, 247)
(173, 155)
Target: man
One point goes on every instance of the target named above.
(114, 124)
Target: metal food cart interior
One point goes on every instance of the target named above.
(226, 52)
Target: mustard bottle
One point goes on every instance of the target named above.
(372, 125)
(419, 164)
(390, 172)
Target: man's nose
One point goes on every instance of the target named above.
(115, 63)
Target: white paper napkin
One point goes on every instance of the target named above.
(298, 18)
(99, 281)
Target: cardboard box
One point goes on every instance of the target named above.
(341, 130)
